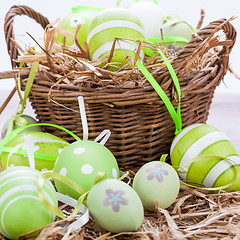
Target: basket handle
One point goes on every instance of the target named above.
(16, 10)
(194, 47)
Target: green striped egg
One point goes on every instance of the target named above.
(42, 143)
(21, 210)
(204, 140)
(107, 25)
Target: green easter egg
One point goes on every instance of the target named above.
(107, 25)
(81, 161)
(21, 210)
(204, 140)
(42, 143)
(115, 206)
(21, 121)
(156, 181)
(70, 24)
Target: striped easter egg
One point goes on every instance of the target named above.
(21, 210)
(204, 140)
(107, 25)
(19, 150)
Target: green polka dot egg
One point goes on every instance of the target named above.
(81, 161)
(21, 210)
(107, 25)
(115, 206)
(43, 145)
(204, 140)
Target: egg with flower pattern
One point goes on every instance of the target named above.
(115, 206)
(156, 181)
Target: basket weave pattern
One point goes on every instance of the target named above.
(142, 129)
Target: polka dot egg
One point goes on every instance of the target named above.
(107, 25)
(81, 161)
(204, 140)
(21, 210)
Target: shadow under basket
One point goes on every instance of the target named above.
(140, 124)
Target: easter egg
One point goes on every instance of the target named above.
(40, 143)
(21, 121)
(115, 206)
(150, 14)
(176, 32)
(70, 23)
(81, 161)
(107, 25)
(156, 181)
(204, 140)
(21, 210)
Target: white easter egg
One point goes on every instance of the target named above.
(150, 14)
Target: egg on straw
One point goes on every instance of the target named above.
(109, 24)
(206, 141)
(80, 16)
(157, 184)
(82, 160)
(21, 210)
(115, 206)
(150, 14)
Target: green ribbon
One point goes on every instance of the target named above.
(78, 8)
(83, 194)
(176, 115)
(28, 87)
(14, 133)
(168, 40)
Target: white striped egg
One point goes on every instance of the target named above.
(107, 25)
(21, 210)
(204, 140)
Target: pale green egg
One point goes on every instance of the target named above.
(115, 206)
(19, 121)
(156, 182)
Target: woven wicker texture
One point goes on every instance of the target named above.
(142, 129)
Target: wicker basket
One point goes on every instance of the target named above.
(142, 129)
